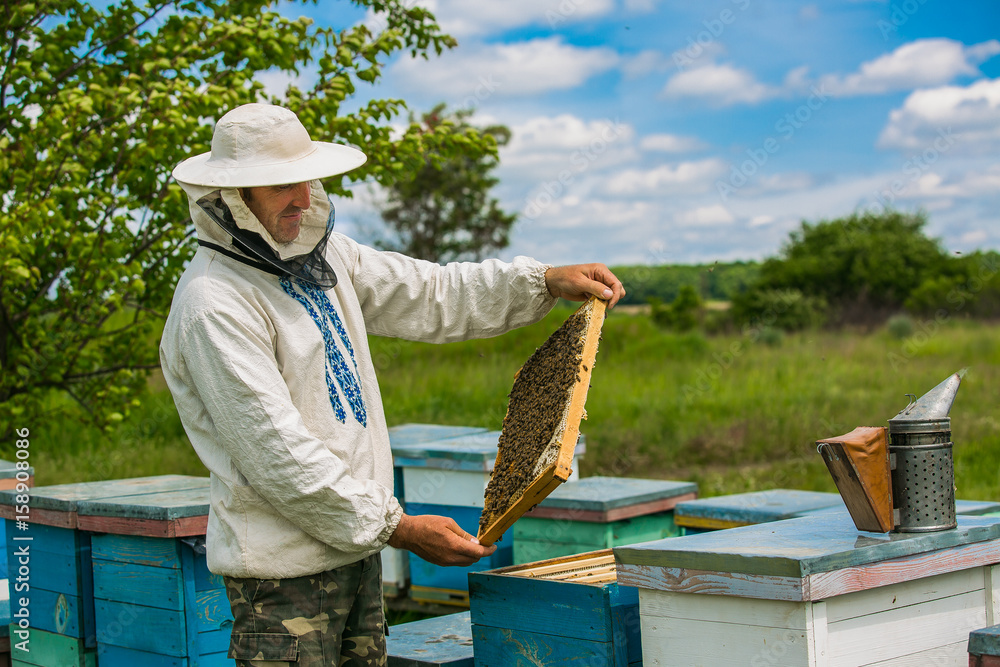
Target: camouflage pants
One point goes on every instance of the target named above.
(330, 619)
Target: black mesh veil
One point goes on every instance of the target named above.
(311, 267)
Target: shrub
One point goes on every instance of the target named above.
(900, 326)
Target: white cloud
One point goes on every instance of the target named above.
(670, 143)
(646, 62)
(464, 18)
(924, 62)
(683, 177)
(939, 117)
(720, 85)
(476, 73)
(705, 216)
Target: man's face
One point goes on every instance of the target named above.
(279, 208)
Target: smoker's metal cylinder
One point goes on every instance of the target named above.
(923, 479)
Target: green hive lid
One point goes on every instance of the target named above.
(800, 547)
(66, 497)
(606, 493)
(758, 506)
(162, 506)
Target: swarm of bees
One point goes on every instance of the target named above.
(536, 414)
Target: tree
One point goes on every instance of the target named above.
(444, 212)
(864, 266)
(97, 108)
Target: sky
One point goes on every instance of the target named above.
(649, 132)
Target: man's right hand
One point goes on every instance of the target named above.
(438, 540)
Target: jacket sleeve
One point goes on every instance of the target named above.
(249, 411)
(414, 299)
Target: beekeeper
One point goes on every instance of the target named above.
(266, 354)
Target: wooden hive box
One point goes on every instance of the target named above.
(60, 598)
(542, 425)
(814, 592)
(562, 611)
(984, 647)
(155, 601)
(448, 477)
(443, 640)
(599, 513)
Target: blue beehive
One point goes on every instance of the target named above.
(567, 610)
(155, 602)
(60, 597)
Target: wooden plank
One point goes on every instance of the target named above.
(724, 609)
(496, 647)
(903, 594)
(41, 517)
(606, 516)
(117, 656)
(62, 573)
(139, 584)
(680, 641)
(184, 527)
(818, 634)
(952, 654)
(591, 560)
(683, 580)
(214, 641)
(141, 550)
(851, 579)
(991, 582)
(895, 633)
(142, 628)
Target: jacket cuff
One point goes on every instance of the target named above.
(536, 277)
(393, 515)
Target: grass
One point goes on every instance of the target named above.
(731, 412)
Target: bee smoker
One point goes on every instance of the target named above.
(901, 479)
(920, 457)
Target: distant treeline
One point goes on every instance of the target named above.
(859, 270)
(713, 282)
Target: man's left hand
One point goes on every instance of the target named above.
(578, 282)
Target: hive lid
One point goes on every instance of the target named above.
(932, 406)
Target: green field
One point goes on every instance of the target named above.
(733, 413)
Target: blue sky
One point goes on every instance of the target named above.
(680, 132)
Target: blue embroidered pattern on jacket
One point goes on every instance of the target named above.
(350, 383)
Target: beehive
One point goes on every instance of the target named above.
(542, 423)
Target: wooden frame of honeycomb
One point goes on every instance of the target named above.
(554, 463)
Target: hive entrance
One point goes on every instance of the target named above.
(542, 423)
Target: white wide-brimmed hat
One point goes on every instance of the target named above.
(262, 144)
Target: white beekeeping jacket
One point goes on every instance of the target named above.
(274, 383)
